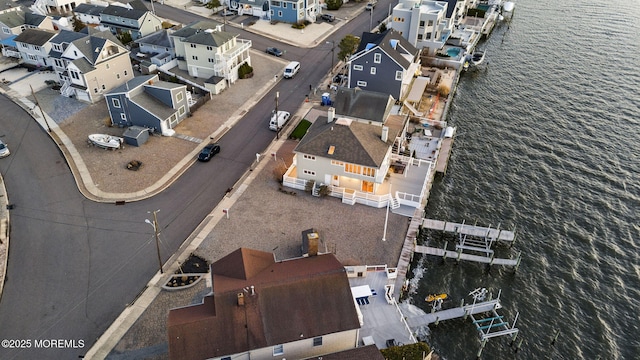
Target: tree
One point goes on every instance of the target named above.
(213, 4)
(348, 46)
(334, 4)
(77, 24)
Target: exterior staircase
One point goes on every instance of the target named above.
(394, 202)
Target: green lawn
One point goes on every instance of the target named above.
(301, 129)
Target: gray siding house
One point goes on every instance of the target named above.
(147, 102)
(135, 20)
(156, 47)
(384, 62)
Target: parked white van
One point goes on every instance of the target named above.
(291, 69)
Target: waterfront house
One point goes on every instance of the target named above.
(34, 45)
(205, 51)
(88, 13)
(260, 308)
(93, 65)
(147, 102)
(384, 62)
(134, 19)
(58, 6)
(156, 48)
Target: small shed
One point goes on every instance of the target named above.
(136, 135)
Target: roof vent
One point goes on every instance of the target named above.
(240, 299)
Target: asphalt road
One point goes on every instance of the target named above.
(74, 265)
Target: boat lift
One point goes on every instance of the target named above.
(494, 326)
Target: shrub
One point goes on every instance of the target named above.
(245, 71)
(334, 4)
(301, 129)
(406, 352)
(443, 90)
(299, 25)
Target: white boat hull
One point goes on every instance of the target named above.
(106, 141)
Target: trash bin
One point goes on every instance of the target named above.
(326, 100)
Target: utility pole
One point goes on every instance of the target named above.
(276, 115)
(44, 117)
(154, 224)
(333, 53)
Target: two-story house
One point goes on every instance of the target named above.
(257, 8)
(293, 11)
(34, 45)
(88, 13)
(13, 21)
(134, 19)
(60, 6)
(156, 47)
(59, 44)
(95, 64)
(384, 62)
(147, 102)
(261, 308)
(205, 51)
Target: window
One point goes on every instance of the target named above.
(56, 47)
(278, 350)
(419, 36)
(115, 103)
(279, 13)
(367, 171)
(6, 30)
(32, 57)
(179, 96)
(373, 70)
(430, 23)
(194, 57)
(95, 90)
(421, 23)
(309, 172)
(36, 47)
(211, 60)
(193, 46)
(117, 76)
(338, 163)
(352, 168)
(104, 87)
(125, 73)
(284, 5)
(357, 67)
(362, 83)
(123, 116)
(226, 358)
(398, 75)
(377, 58)
(181, 110)
(309, 157)
(428, 36)
(209, 48)
(107, 65)
(276, 4)
(317, 341)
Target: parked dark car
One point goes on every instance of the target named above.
(339, 78)
(274, 51)
(327, 17)
(208, 152)
(227, 12)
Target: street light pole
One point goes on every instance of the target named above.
(333, 53)
(154, 224)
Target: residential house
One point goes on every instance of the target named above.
(134, 19)
(34, 45)
(156, 48)
(88, 13)
(261, 308)
(59, 6)
(147, 102)
(13, 21)
(384, 62)
(94, 65)
(293, 11)
(257, 8)
(205, 51)
(59, 44)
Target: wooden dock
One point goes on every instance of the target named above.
(444, 154)
(459, 312)
(471, 230)
(459, 255)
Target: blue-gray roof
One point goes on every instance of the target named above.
(89, 9)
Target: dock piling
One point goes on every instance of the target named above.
(555, 337)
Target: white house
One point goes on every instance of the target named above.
(34, 45)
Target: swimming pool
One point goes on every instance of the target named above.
(453, 52)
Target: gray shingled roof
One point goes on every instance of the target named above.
(35, 37)
(96, 40)
(194, 27)
(153, 105)
(64, 38)
(33, 19)
(131, 84)
(89, 9)
(12, 18)
(123, 12)
(354, 142)
(158, 38)
(392, 43)
(215, 38)
(363, 104)
(303, 297)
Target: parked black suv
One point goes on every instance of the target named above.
(327, 17)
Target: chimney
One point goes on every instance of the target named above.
(385, 133)
(331, 114)
(313, 243)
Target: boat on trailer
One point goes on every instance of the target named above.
(106, 141)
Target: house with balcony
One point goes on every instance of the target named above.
(263, 309)
(156, 48)
(13, 21)
(34, 45)
(384, 62)
(134, 19)
(58, 6)
(257, 8)
(59, 44)
(88, 13)
(293, 11)
(94, 65)
(147, 102)
(205, 51)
